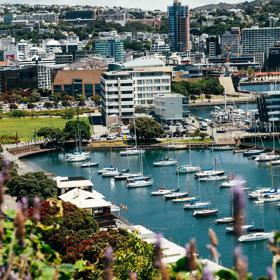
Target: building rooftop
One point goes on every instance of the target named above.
(66, 77)
(146, 61)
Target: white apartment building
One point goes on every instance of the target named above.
(171, 107)
(44, 76)
(117, 98)
(148, 82)
(160, 47)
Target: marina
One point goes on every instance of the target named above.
(170, 219)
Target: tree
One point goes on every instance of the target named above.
(68, 114)
(17, 114)
(53, 137)
(32, 185)
(48, 105)
(73, 128)
(147, 129)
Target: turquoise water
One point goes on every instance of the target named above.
(261, 87)
(171, 219)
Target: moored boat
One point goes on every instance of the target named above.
(140, 184)
(205, 212)
(233, 183)
(213, 178)
(208, 173)
(183, 169)
(165, 162)
(225, 220)
(125, 176)
(132, 152)
(244, 228)
(196, 205)
(112, 173)
(267, 158)
(254, 152)
(261, 192)
(175, 195)
(257, 236)
(89, 164)
(184, 199)
(222, 148)
(163, 191)
(106, 169)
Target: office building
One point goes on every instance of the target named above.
(230, 42)
(148, 82)
(79, 16)
(258, 41)
(269, 110)
(179, 27)
(72, 81)
(273, 61)
(160, 47)
(171, 107)
(110, 48)
(117, 97)
(212, 46)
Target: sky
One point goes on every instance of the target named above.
(144, 4)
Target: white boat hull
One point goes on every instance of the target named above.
(259, 236)
(213, 178)
(187, 169)
(196, 205)
(208, 173)
(135, 152)
(140, 184)
(165, 163)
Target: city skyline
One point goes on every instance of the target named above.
(144, 4)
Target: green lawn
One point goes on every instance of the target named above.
(25, 127)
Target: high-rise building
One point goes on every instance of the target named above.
(179, 27)
(110, 48)
(230, 42)
(212, 46)
(258, 41)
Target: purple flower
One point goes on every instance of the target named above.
(191, 255)
(157, 251)
(239, 204)
(241, 264)
(132, 275)
(270, 273)
(207, 274)
(108, 274)
(36, 209)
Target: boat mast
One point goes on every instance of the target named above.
(135, 133)
(190, 153)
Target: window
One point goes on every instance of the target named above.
(88, 90)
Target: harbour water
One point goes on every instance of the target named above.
(260, 87)
(171, 219)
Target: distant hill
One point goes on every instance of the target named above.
(226, 6)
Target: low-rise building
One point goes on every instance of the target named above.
(171, 107)
(78, 81)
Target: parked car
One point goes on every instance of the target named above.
(111, 137)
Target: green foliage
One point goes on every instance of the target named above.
(53, 137)
(32, 185)
(147, 129)
(23, 254)
(208, 86)
(17, 114)
(73, 129)
(70, 225)
(68, 114)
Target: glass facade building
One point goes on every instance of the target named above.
(179, 27)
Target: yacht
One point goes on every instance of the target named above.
(196, 205)
(267, 158)
(244, 228)
(254, 152)
(225, 220)
(205, 213)
(76, 158)
(184, 199)
(213, 178)
(165, 162)
(233, 183)
(126, 176)
(207, 173)
(175, 195)
(187, 169)
(257, 236)
(275, 162)
(132, 152)
(111, 173)
(140, 183)
(106, 169)
(163, 191)
(89, 164)
(261, 192)
(268, 198)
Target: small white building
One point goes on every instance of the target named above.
(171, 107)
(64, 184)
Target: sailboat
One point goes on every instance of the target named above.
(182, 169)
(78, 155)
(163, 191)
(269, 196)
(212, 172)
(205, 213)
(213, 178)
(133, 151)
(255, 151)
(140, 182)
(165, 162)
(198, 204)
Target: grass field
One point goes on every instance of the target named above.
(25, 127)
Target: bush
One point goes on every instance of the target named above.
(17, 114)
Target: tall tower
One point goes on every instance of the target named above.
(179, 27)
